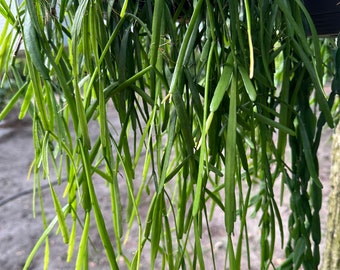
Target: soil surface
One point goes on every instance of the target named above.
(19, 230)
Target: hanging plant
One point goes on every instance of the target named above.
(210, 96)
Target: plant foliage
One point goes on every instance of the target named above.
(212, 97)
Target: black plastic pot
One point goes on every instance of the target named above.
(325, 15)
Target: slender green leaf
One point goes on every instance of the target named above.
(83, 246)
(230, 161)
(274, 124)
(247, 83)
(223, 84)
(32, 47)
(60, 215)
(12, 102)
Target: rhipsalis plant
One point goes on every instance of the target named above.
(212, 97)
